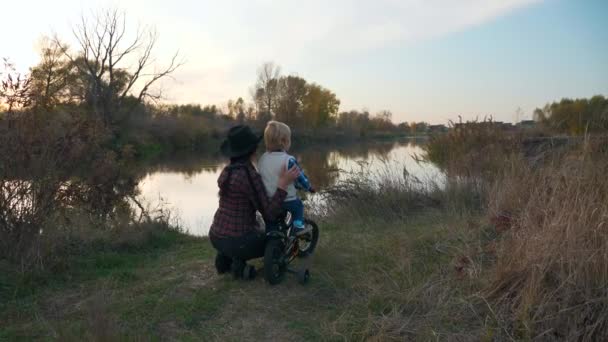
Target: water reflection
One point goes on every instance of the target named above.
(188, 184)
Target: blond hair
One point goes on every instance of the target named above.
(277, 136)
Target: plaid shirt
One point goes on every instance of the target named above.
(242, 193)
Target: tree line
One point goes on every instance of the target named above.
(107, 78)
(575, 116)
(307, 105)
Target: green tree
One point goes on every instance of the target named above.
(51, 77)
(320, 106)
(292, 92)
(292, 99)
(383, 121)
(404, 126)
(576, 116)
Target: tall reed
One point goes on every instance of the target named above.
(551, 273)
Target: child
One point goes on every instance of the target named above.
(277, 137)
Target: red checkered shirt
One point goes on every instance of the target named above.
(242, 193)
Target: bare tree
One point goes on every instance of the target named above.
(267, 86)
(14, 88)
(250, 114)
(104, 58)
(385, 115)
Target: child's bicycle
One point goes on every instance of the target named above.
(282, 248)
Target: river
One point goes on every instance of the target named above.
(187, 187)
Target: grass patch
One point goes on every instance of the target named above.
(133, 291)
(362, 272)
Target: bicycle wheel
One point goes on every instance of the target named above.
(308, 242)
(274, 265)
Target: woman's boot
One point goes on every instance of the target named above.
(223, 263)
(238, 266)
(241, 270)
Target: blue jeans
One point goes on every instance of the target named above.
(296, 208)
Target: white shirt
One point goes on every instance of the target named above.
(270, 166)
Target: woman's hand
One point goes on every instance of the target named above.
(288, 176)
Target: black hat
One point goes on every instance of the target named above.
(240, 141)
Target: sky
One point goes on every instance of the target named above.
(424, 60)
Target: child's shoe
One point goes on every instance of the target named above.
(300, 229)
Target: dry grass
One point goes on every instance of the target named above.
(550, 209)
(403, 279)
(414, 255)
(472, 149)
(391, 192)
(551, 273)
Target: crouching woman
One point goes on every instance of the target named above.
(235, 233)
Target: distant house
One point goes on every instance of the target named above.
(503, 126)
(526, 124)
(434, 129)
(458, 126)
(506, 126)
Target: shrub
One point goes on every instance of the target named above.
(472, 149)
(55, 169)
(392, 192)
(388, 190)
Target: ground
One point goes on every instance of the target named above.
(370, 280)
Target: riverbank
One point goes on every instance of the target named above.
(367, 275)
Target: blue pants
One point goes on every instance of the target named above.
(296, 208)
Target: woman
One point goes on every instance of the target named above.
(234, 232)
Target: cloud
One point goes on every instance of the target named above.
(239, 35)
(296, 28)
(224, 41)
